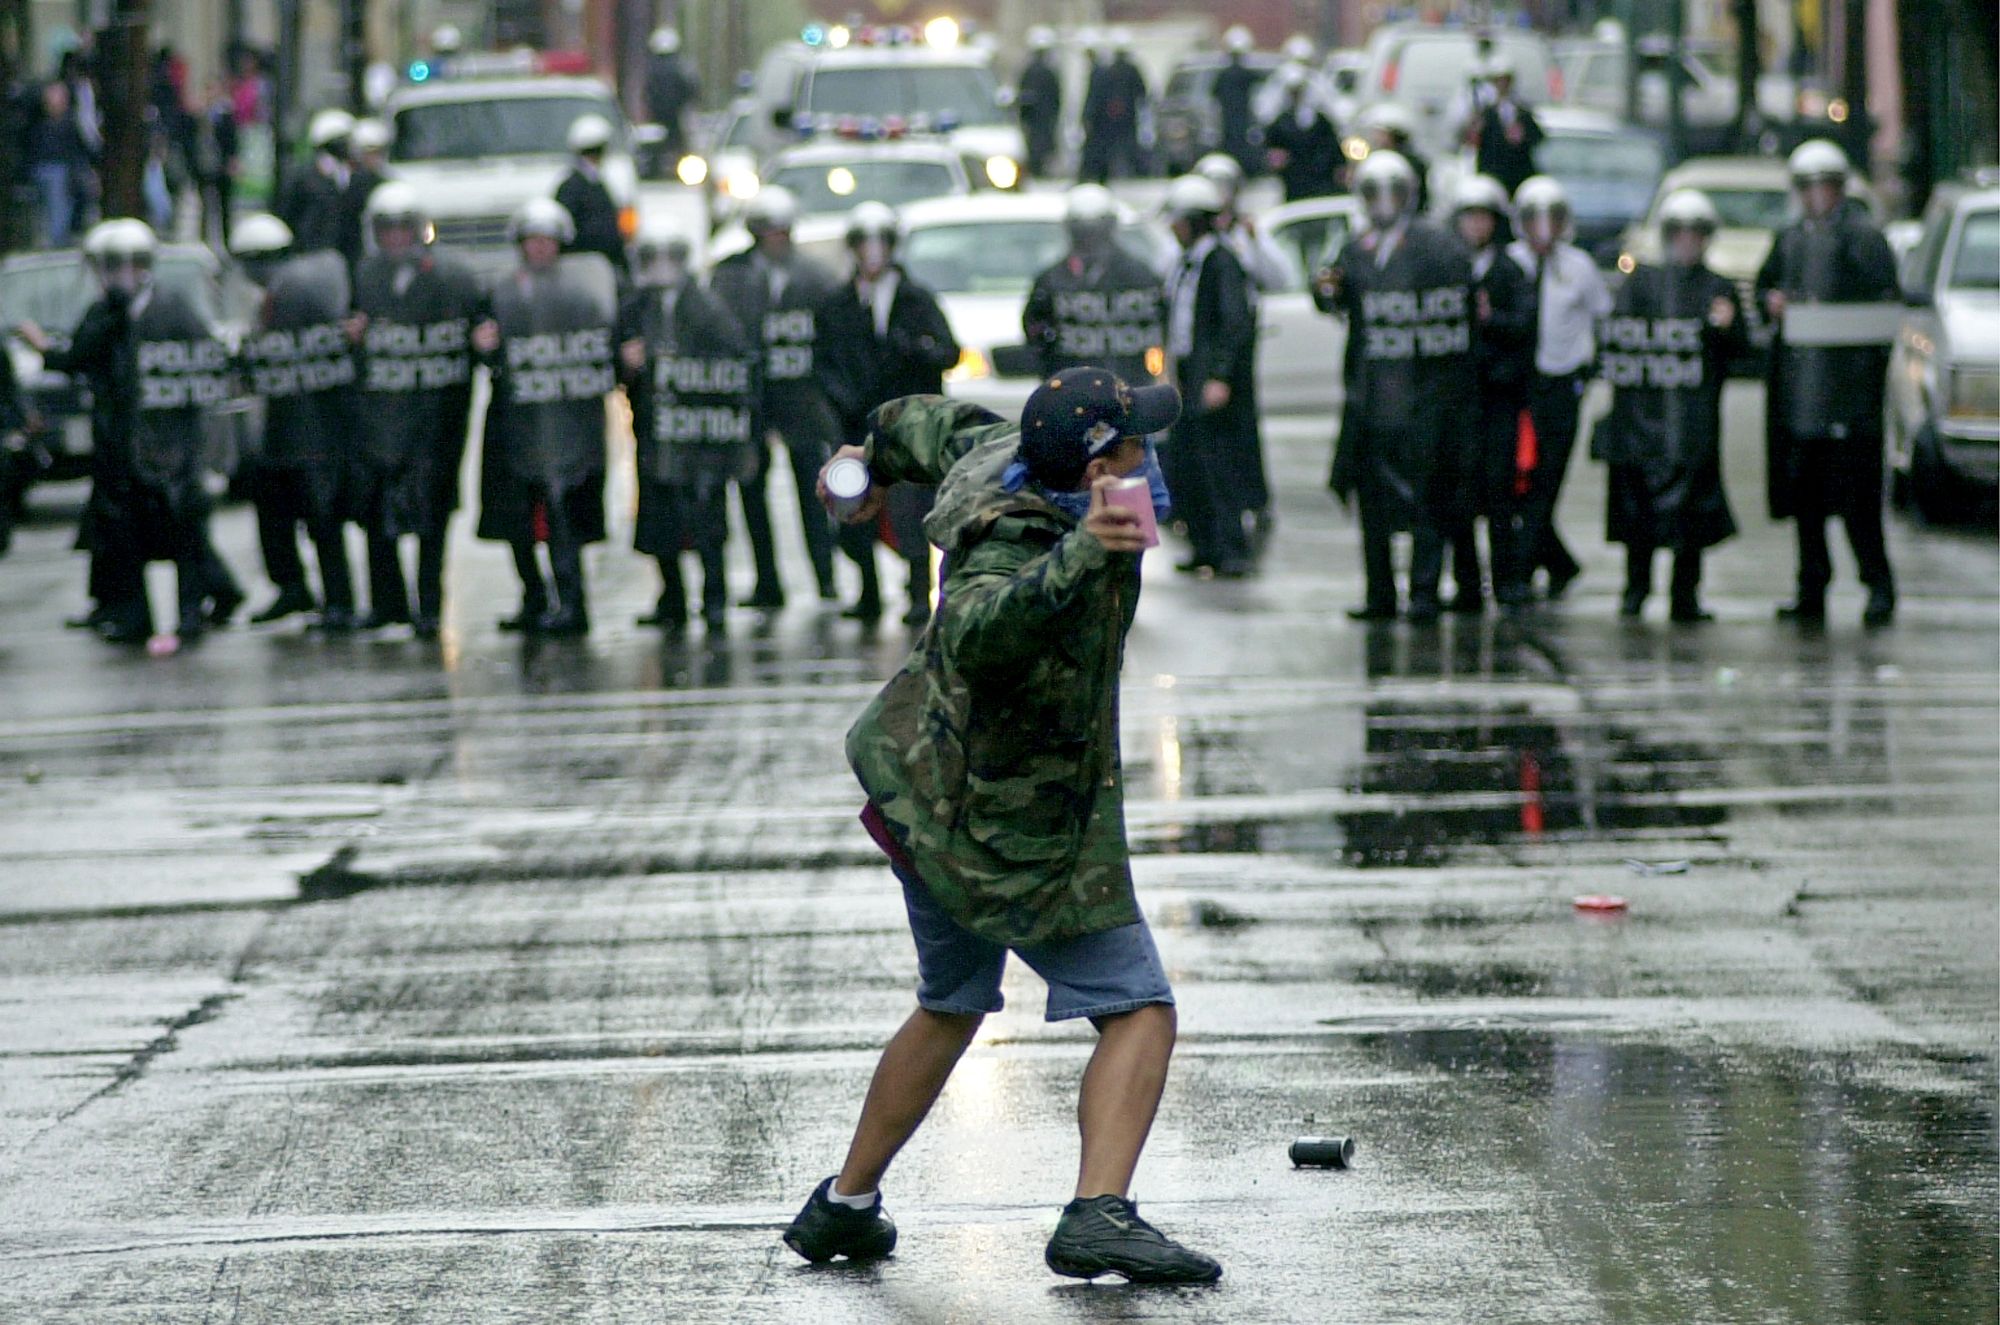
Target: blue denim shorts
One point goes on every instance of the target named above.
(1091, 975)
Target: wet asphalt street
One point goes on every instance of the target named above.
(364, 980)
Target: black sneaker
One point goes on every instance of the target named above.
(825, 1230)
(1104, 1235)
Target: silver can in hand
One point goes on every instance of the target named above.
(847, 485)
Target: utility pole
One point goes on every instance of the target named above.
(1677, 80)
(354, 53)
(16, 223)
(123, 86)
(1854, 83)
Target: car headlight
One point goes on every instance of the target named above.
(741, 185)
(1975, 392)
(1003, 171)
(1627, 263)
(691, 170)
(971, 364)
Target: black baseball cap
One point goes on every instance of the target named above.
(1080, 413)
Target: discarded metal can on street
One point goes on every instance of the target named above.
(847, 483)
(1323, 1152)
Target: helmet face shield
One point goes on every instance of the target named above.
(123, 272)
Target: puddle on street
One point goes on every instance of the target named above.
(1729, 1186)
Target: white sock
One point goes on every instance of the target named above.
(851, 1202)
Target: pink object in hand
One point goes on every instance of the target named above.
(1136, 496)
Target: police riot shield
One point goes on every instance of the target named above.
(299, 361)
(183, 372)
(416, 353)
(555, 367)
(700, 392)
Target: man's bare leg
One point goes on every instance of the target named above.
(914, 1067)
(1120, 1095)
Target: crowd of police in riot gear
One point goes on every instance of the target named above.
(1469, 351)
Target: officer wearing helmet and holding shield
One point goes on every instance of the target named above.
(413, 311)
(155, 368)
(1570, 298)
(1503, 353)
(300, 363)
(775, 292)
(583, 194)
(367, 155)
(549, 340)
(881, 336)
(688, 368)
(1830, 286)
(1211, 348)
(1388, 127)
(1098, 306)
(1665, 354)
(315, 205)
(1408, 433)
(1234, 90)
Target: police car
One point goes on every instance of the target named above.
(477, 148)
(839, 176)
(927, 81)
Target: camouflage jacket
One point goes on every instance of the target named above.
(993, 754)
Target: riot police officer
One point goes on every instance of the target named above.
(1406, 435)
(1211, 340)
(549, 340)
(688, 369)
(881, 336)
(584, 195)
(1827, 377)
(775, 292)
(1098, 306)
(155, 368)
(412, 329)
(1503, 352)
(301, 365)
(1038, 102)
(314, 206)
(1665, 354)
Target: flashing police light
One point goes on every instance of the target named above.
(420, 71)
(941, 33)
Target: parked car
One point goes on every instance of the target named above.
(1185, 120)
(1943, 413)
(1609, 169)
(1595, 77)
(1753, 196)
(838, 176)
(52, 290)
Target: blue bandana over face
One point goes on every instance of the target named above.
(1076, 505)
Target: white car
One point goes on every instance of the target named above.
(838, 175)
(981, 255)
(1943, 402)
(1300, 350)
(476, 149)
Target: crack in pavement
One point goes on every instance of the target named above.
(135, 1067)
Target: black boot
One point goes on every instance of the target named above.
(291, 599)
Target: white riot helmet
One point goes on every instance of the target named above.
(1238, 40)
(661, 252)
(445, 40)
(1688, 209)
(1299, 48)
(873, 220)
(395, 205)
(664, 41)
(1222, 170)
(369, 135)
(1541, 198)
(1194, 195)
(1121, 40)
(1386, 183)
(1386, 117)
(260, 235)
(121, 252)
(329, 128)
(1041, 38)
(542, 216)
(1497, 65)
(1091, 214)
(774, 207)
(589, 133)
(1479, 193)
(1817, 160)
